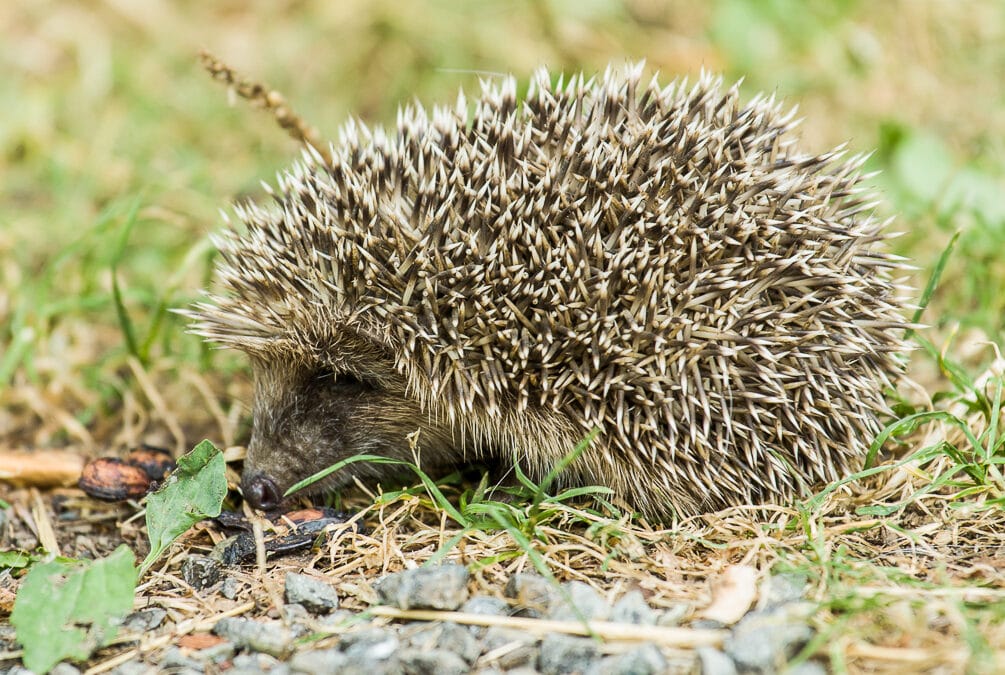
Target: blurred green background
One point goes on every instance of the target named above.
(117, 151)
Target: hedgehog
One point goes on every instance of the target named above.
(660, 266)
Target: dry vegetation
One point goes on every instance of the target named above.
(116, 152)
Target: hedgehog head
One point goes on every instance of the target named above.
(660, 263)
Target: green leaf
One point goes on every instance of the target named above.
(193, 492)
(68, 610)
(16, 559)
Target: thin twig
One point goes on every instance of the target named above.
(668, 636)
(262, 96)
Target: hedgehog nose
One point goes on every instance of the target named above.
(261, 491)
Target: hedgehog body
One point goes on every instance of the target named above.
(662, 264)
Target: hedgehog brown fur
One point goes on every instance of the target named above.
(663, 264)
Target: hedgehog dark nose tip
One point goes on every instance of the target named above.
(261, 492)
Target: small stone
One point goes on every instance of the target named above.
(532, 593)
(64, 669)
(19, 670)
(370, 644)
(216, 654)
(433, 662)
(174, 657)
(316, 595)
(131, 667)
(268, 638)
(762, 642)
(230, 588)
(144, 620)
(486, 605)
(447, 636)
(200, 571)
(586, 603)
(441, 587)
(372, 651)
(508, 648)
(566, 654)
(781, 589)
(711, 661)
(644, 660)
(318, 661)
(254, 664)
(633, 608)
(293, 612)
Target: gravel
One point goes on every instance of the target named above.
(256, 636)
(441, 587)
(763, 641)
(567, 654)
(577, 601)
(644, 660)
(531, 594)
(633, 608)
(315, 595)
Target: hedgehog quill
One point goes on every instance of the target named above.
(663, 264)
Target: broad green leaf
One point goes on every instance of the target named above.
(66, 610)
(193, 492)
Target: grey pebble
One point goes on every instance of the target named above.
(268, 638)
(781, 589)
(132, 667)
(441, 587)
(441, 636)
(578, 601)
(64, 669)
(486, 604)
(566, 654)
(216, 654)
(711, 661)
(532, 593)
(370, 644)
(314, 594)
(644, 660)
(318, 661)
(253, 664)
(762, 642)
(633, 608)
(200, 571)
(144, 620)
(516, 648)
(293, 613)
(432, 662)
(230, 588)
(174, 657)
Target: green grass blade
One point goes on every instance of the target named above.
(933, 282)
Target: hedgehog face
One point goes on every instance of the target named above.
(307, 418)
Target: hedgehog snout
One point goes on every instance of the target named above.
(261, 491)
